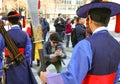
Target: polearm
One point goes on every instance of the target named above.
(37, 30)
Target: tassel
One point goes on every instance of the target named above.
(23, 25)
(87, 26)
(38, 4)
(117, 26)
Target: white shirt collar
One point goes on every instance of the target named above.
(99, 29)
(14, 25)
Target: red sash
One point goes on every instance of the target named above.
(99, 79)
(20, 49)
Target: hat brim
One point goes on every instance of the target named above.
(6, 18)
(114, 7)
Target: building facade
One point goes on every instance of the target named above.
(50, 8)
(66, 7)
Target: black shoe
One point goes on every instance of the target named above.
(38, 62)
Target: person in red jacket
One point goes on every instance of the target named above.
(68, 31)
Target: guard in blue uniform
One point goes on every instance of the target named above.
(21, 74)
(95, 59)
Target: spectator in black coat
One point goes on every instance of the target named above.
(60, 26)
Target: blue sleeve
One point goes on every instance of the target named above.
(53, 78)
(117, 75)
(79, 64)
(2, 46)
(28, 50)
(1, 58)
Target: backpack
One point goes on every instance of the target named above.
(73, 37)
(76, 36)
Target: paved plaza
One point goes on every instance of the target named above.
(51, 68)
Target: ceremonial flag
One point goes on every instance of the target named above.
(37, 30)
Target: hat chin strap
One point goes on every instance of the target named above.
(87, 25)
(117, 26)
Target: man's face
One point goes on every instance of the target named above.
(81, 21)
(53, 43)
(60, 16)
